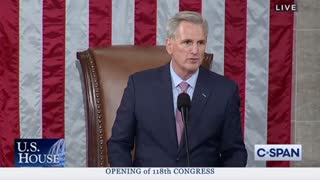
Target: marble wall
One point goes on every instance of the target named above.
(306, 102)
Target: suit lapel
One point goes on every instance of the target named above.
(199, 100)
(165, 102)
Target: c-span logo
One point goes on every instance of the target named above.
(39, 153)
(278, 152)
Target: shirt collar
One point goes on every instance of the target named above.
(176, 80)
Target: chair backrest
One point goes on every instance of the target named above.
(105, 75)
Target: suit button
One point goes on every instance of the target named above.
(177, 159)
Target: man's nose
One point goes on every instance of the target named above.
(195, 48)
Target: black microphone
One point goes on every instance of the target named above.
(184, 104)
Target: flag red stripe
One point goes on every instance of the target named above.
(100, 20)
(53, 77)
(235, 46)
(145, 27)
(9, 78)
(187, 5)
(280, 78)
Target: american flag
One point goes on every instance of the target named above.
(41, 93)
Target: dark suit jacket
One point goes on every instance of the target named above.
(146, 120)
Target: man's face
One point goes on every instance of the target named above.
(187, 48)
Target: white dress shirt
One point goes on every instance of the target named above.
(176, 80)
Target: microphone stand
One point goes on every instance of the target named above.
(185, 119)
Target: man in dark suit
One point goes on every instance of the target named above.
(148, 119)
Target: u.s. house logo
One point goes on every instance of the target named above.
(39, 153)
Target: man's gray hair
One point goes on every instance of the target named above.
(189, 16)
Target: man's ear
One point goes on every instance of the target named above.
(169, 45)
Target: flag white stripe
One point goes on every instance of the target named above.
(122, 22)
(165, 10)
(257, 69)
(214, 12)
(30, 69)
(77, 35)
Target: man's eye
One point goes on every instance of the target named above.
(188, 42)
(201, 43)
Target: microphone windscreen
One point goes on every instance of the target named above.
(183, 101)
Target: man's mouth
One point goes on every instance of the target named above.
(193, 59)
